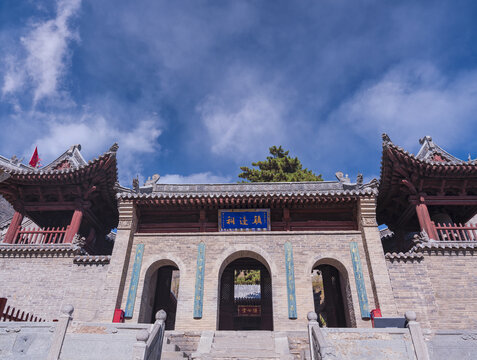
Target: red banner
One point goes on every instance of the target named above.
(249, 310)
(35, 159)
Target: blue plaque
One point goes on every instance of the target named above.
(199, 282)
(134, 281)
(358, 277)
(290, 272)
(244, 220)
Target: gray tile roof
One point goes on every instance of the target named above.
(321, 188)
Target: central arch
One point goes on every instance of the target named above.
(245, 293)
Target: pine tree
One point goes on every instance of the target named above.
(279, 167)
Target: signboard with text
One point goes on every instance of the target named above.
(249, 310)
(244, 220)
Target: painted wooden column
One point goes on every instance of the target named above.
(425, 219)
(13, 228)
(74, 225)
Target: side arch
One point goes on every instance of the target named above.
(344, 279)
(158, 268)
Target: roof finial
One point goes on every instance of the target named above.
(469, 158)
(424, 139)
(386, 139)
(135, 184)
(151, 181)
(114, 148)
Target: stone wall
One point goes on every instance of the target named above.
(309, 249)
(42, 283)
(441, 287)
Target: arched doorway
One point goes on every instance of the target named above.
(331, 296)
(161, 291)
(245, 296)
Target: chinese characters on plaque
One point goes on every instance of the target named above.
(249, 310)
(244, 220)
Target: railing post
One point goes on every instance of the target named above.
(420, 347)
(320, 349)
(139, 350)
(312, 320)
(60, 332)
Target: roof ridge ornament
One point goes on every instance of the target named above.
(114, 148)
(426, 138)
(386, 139)
(135, 184)
(151, 181)
(342, 178)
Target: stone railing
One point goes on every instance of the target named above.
(320, 349)
(149, 343)
(349, 343)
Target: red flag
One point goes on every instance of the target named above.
(34, 158)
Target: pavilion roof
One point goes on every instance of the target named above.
(404, 174)
(68, 170)
(22, 173)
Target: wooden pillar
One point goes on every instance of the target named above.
(425, 219)
(202, 220)
(74, 225)
(13, 228)
(286, 218)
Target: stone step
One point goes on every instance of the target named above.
(173, 355)
(245, 353)
(249, 355)
(239, 334)
(170, 347)
(225, 344)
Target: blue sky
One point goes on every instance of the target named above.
(192, 90)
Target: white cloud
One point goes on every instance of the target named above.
(198, 178)
(46, 55)
(96, 134)
(244, 117)
(410, 101)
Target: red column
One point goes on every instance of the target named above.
(74, 225)
(13, 228)
(425, 219)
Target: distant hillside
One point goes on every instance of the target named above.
(6, 210)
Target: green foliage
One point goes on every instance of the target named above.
(279, 167)
(247, 277)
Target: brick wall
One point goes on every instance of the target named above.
(42, 284)
(441, 288)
